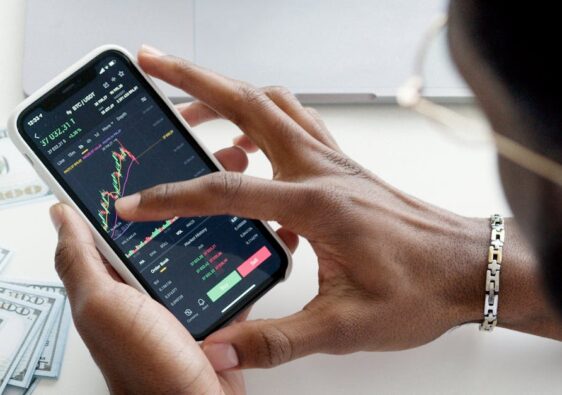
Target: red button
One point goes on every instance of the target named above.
(254, 261)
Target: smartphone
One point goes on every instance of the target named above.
(102, 130)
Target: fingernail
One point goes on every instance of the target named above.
(56, 212)
(237, 140)
(128, 203)
(148, 50)
(222, 356)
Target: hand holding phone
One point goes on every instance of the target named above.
(101, 131)
(380, 252)
(140, 347)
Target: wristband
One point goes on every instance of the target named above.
(493, 273)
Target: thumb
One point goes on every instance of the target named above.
(77, 260)
(267, 343)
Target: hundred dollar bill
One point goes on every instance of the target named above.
(50, 362)
(22, 375)
(18, 181)
(7, 351)
(21, 322)
(11, 390)
(5, 256)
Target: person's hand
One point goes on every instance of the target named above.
(140, 347)
(394, 272)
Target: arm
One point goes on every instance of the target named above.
(394, 271)
(523, 305)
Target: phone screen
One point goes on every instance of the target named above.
(105, 133)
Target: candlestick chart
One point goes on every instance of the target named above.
(123, 159)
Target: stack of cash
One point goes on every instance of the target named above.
(34, 321)
(18, 181)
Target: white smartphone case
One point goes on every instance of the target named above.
(59, 191)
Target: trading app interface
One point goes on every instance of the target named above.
(112, 138)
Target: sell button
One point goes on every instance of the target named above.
(224, 286)
(254, 261)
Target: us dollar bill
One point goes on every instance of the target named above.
(19, 183)
(11, 390)
(50, 362)
(22, 375)
(21, 321)
(5, 256)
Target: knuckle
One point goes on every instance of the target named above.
(286, 128)
(247, 102)
(277, 346)
(313, 112)
(248, 94)
(167, 192)
(226, 185)
(279, 92)
(159, 193)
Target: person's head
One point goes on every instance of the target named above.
(507, 54)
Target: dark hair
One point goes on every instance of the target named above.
(518, 39)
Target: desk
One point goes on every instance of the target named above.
(401, 148)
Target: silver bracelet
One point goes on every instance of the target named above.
(493, 273)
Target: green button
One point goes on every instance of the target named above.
(221, 288)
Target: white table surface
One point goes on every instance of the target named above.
(401, 148)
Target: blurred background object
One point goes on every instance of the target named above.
(324, 51)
